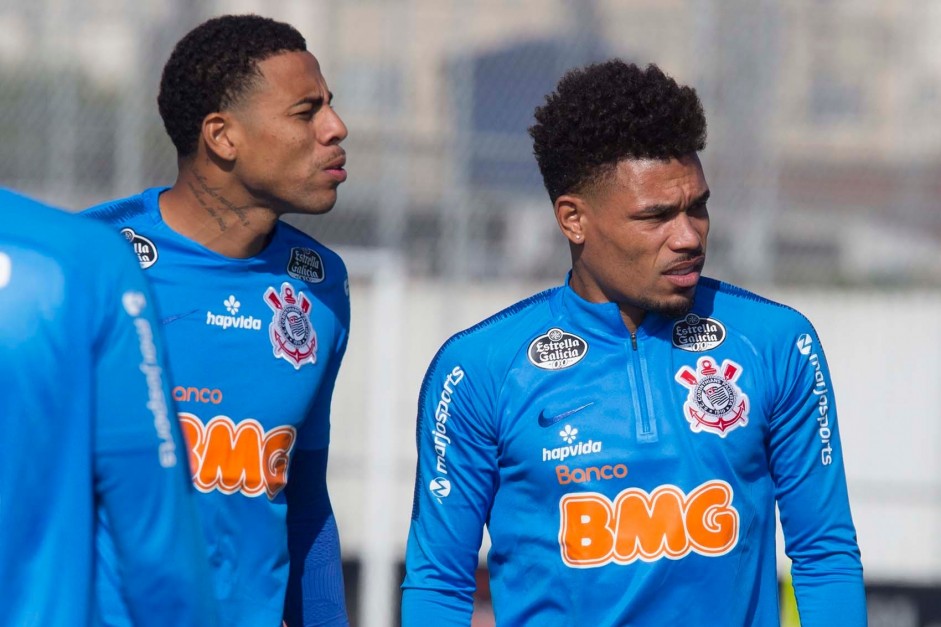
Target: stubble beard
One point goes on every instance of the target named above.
(314, 203)
(673, 308)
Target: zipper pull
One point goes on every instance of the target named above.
(634, 340)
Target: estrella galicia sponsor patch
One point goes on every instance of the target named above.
(293, 337)
(715, 403)
(144, 248)
(557, 349)
(306, 264)
(697, 335)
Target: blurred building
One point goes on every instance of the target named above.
(822, 152)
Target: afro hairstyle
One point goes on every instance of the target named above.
(606, 112)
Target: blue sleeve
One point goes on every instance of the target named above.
(141, 469)
(810, 485)
(454, 487)
(315, 433)
(315, 592)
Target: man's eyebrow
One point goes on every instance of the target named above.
(314, 100)
(661, 209)
(701, 199)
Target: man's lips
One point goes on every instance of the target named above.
(335, 168)
(336, 164)
(685, 274)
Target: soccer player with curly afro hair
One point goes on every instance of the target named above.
(617, 146)
(626, 437)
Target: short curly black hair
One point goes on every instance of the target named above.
(606, 112)
(213, 66)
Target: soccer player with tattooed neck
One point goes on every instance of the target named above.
(255, 313)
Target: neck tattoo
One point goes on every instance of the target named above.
(215, 204)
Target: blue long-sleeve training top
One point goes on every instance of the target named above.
(87, 427)
(254, 347)
(631, 479)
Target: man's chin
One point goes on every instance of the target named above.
(319, 211)
(676, 307)
(310, 209)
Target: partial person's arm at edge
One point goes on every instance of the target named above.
(454, 488)
(810, 485)
(141, 464)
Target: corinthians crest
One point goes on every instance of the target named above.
(715, 403)
(292, 336)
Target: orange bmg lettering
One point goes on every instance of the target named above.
(593, 531)
(237, 458)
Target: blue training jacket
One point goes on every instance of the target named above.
(631, 479)
(254, 347)
(87, 428)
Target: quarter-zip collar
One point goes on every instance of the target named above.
(603, 318)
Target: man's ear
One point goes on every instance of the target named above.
(570, 213)
(218, 133)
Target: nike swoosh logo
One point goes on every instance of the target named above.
(176, 317)
(548, 421)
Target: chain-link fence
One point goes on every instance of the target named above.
(823, 160)
(822, 153)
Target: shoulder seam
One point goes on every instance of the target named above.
(308, 240)
(293, 230)
(500, 315)
(497, 317)
(512, 309)
(121, 209)
(740, 292)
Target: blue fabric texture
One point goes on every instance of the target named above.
(254, 346)
(85, 416)
(631, 479)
